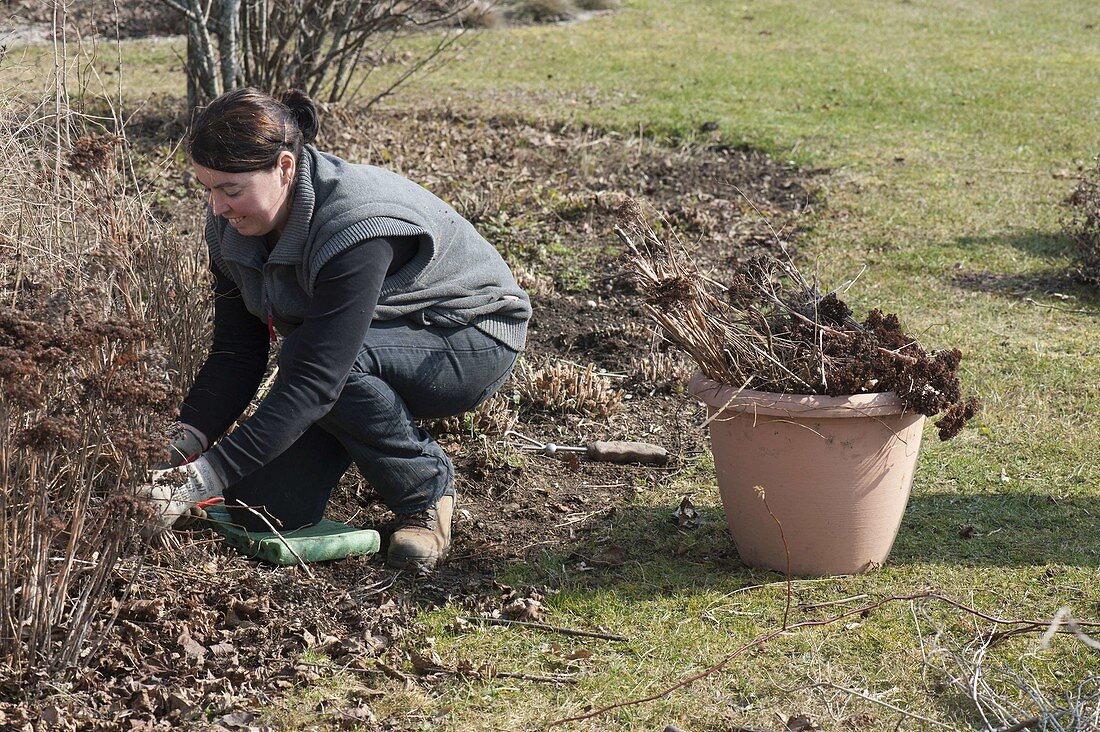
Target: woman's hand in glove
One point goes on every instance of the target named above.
(185, 443)
(173, 492)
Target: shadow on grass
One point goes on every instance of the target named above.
(644, 548)
(1058, 280)
(999, 530)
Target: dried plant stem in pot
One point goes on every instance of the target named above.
(772, 329)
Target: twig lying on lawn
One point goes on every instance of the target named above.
(1063, 617)
(765, 637)
(1032, 723)
(536, 677)
(489, 674)
(1029, 301)
(831, 603)
(543, 626)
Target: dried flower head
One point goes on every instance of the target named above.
(92, 153)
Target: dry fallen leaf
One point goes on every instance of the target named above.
(613, 556)
(190, 646)
(142, 609)
(525, 609)
(686, 516)
(801, 723)
(427, 663)
(237, 720)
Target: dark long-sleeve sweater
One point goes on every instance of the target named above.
(325, 347)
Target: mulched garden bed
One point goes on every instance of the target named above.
(208, 639)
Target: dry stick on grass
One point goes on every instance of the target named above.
(786, 550)
(489, 674)
(543, 626)
(1032, 723)
(534, 677)
(832, 603)
(1024, 625)
(440, 670)
(1064, 617)
(1078, 311)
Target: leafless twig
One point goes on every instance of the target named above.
(280, 537)
(544, 626)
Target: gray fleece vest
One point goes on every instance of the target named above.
(455, 279)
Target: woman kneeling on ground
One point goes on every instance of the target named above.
(392, 308)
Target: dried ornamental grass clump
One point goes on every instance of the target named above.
(564, 388)
(772, 329)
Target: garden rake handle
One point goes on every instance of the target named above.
(626, 452)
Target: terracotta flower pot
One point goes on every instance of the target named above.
(836, 473)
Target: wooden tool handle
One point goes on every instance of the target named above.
(627, 452)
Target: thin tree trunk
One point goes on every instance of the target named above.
(228, 31)
(201, 64)
(316, 45)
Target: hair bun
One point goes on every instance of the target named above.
(305, 113)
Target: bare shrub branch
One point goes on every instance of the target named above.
(328, 48)
(95, 344)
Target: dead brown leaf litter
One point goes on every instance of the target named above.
(204, 637)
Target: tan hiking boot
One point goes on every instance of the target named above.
(422, 539)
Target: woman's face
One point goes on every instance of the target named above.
(255, 203)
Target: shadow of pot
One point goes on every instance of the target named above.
(835, 472)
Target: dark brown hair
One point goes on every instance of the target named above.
(246, 129)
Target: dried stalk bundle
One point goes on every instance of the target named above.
(1006, 693)
(1082, 223)
(94, 345)
(772, 329)
(563, 387)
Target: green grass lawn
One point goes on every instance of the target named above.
(947, 129)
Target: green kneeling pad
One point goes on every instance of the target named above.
(321, 542)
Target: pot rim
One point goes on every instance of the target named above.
(723, 397)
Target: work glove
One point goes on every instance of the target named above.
(185, 443)
(174, 492)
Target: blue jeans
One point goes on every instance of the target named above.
(404, 372)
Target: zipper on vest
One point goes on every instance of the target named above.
(270, 315)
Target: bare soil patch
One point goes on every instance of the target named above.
(208, 639)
